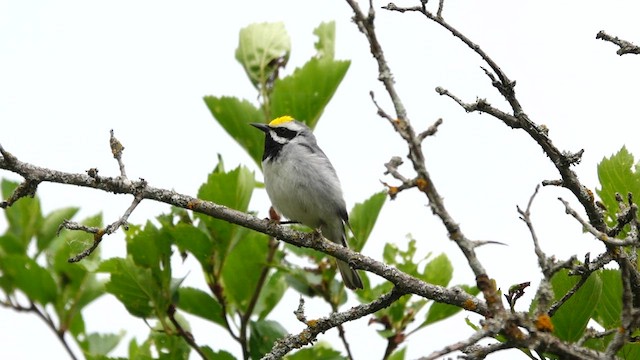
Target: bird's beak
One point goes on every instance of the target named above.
(263, 127)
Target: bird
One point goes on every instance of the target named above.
(303, 185)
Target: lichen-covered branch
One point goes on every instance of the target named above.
(141, 189)
(318, 326)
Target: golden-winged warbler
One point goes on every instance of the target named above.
(303, 186)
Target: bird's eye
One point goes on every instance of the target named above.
(286, 133)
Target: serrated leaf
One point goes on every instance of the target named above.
(438, 271)
(133, 286)
(260, 45)
(617, 174)
(102, 344)
(572, 317)
(243, 266)
(271, 294)
(326, 33)
(235, 115)
(263, 333)
(363, 217)
(192, 239)
(27, 275)
(609, 308)
(150, 248)
(232, 189)
(199, 303)
(51, 223)
(305, 93)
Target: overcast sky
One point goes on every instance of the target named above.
(72, 70)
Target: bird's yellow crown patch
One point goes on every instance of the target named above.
(280, 120)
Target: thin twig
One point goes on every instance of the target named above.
(519, 118)
(553, 308)
(595, 232)
(461, 345)
(116, 150)
(316, 327)
(546, 264)
(98, 234)
(246, 317)
(44, 316)
(626, 47)
(186, 335)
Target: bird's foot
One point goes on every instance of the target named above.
(317, 235)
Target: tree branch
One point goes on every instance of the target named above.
(626, 47)
(316, 327)
(406, 283)
(518, 118)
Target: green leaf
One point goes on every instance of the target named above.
(259, 46)
(199, 303)
(305, 93)
(192, 239)
(234, 116)
(263, 333)
(24, 216)
(398, 354)
(134, 287)
(49, 228)
(630, 352)
(77, 285)
(438, 271)
(150, 248)
(617, 174)
(102, 344)
(440, 311)
(271, 293)
(402, 259)
(234, 190)
(12, 244)
(572, 317)
(609, 308)
(363, 217)
(326, 33)
(243, 266)
(317, 352)
(139, 352)
(76, 327)
(169, 346)
(216, 355)
(34, 280)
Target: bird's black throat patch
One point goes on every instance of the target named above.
(272, 147)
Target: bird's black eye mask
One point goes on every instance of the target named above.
(285, 133)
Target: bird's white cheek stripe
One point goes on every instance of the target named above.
(277, 138)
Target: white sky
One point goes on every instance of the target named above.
(72, 70)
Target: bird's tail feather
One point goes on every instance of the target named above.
(350, 276)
